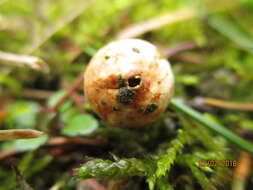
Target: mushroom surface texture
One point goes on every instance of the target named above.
(128, 84)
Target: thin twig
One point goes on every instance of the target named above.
(170, 18)
(7, 153)
(55, 141)
(58, 141)
(78, 100)
(58, 25)
(227, 104)
(77, 83)
(155, 23)
(36, 94)
(191, 57)
(14, 134)
(23, 60)
(179, 47)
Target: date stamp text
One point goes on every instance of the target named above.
(218, 163)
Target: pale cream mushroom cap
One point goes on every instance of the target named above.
(128, 84)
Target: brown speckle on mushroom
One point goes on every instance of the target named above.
(125, 95)
(136, 50)
(115, 108)
(121, 81)
(150, 108)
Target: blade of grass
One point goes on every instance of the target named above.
(217, 128)
(232, 32)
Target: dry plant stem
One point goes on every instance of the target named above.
(170, 18)
(23, 60)
(228, 104)
(58, 25)
(55, 141)
(77, 99)
(36, 94)
(10, 25)
(153, 24)
(242, 172)
(93, 184)
(77, 83)
(189, 57)
(58, 141)
(13, 134)
(7, 153)
(182, 46)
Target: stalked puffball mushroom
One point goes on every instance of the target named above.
(128, 83)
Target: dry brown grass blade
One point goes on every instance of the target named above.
(242, 171)
(243, 168)
(74, 86)
(13, 134)
(23, 60)
(170, 18)
(6, 153)
(57, 141)
(58, 25)
(155, 23)
(228, 104)
(179, 47)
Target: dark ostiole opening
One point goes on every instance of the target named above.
(134, 81)
(107, 57)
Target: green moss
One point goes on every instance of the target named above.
(122, 168)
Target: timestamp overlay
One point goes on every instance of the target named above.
(218, 163)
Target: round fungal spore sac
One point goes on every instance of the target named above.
(128, 83)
